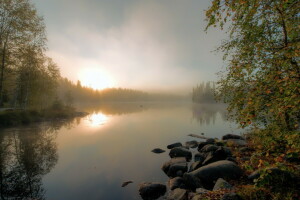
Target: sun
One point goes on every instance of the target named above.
(95, 78)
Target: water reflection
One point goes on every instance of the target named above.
(206, 114)
(97, 119)
(26, 155)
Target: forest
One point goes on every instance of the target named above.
(204, 93)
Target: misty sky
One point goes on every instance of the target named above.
(140, 44)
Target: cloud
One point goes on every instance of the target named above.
(141, 44)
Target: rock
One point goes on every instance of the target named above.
(125, 183)
(222, 184)
(195, 166)
(202, 191)
(180, 152)
(210, 140)
(149, 191)
(232, 159)
(236, 142)
(177, 169)
(158, 150)
(219, 143)
(177, 144)
(174, 165)
(202, 144)
(192, 182)
(232, 136)
(208, 148)
(198, 197)
(199, 157)
(178, 194)
(231, 196)
(176, 182)
(208, 174)
(191, 144)
(219, 154)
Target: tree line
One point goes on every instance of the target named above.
(204, 93)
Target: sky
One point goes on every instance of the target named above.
(140, 44)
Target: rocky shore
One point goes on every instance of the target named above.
(206, 169)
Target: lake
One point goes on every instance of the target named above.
(90, 157)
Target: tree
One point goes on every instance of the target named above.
(261, 82)
(20, 27)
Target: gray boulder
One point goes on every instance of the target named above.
(199, 157)
(208, 174)
(213, 156)
(177, 144)
(180, 152)
(210, 140)
(173, 166)
(195, 166)
(209, 148)
(202, 144)
(222, 184)
(176, 182)
(150, 191)
(178, 194)
(202, 191)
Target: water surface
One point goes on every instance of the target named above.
(90, 157)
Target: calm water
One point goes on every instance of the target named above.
(90, 157)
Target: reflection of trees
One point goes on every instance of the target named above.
(207, 113)
(116, 108)
(26, 155)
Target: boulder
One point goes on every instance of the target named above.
(177, 169)
(173, 166)
(192, 182)
(232, 136)
(158, 150)
(202, 144)
(199, 157)
(210, 140)
(222, 184)
(209, 148)
(149, 191)
(176, 182)
(202, 191)
(178, 194)
(180, 152)
(236, 142)
(192, 144)
(177, 144)
(208, 174)
(213, 156)
(245, 149)
(195, 166)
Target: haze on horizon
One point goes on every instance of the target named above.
(149, 45)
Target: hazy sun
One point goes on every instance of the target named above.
(95, 78)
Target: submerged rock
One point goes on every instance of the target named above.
(177, 144)
(180, 152)
(125, 183)
(208, 174)
(158, 150)
(150, 191)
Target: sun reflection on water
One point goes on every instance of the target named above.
(98, 119)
